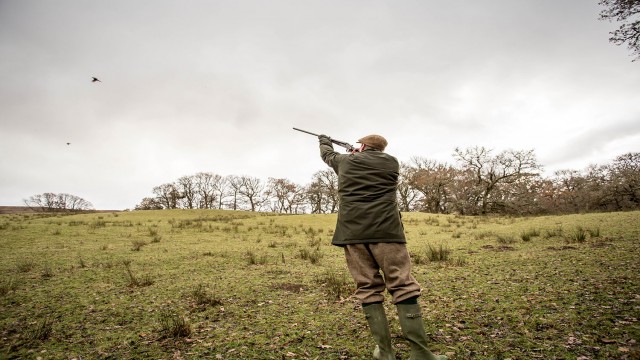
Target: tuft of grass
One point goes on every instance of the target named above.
(202, 297)
(417, 258)
(335, 283)
(99, 223)
(432, 253)
(458, 261)
(483, 235)
(173, 325)
(578, 236)
(8, 285)
(136, 245)
(42, 330)
(254, 259)
(438, 253)
(315, 242)
(314, 256)
(506, 239)
(47, 271)
(527, 235)
(24, 265)
(135, 281)
(558, 231)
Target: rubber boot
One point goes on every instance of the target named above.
(413, 329)
(379, 326)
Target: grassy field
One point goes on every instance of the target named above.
(239, 285)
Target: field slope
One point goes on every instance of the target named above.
(192, 284)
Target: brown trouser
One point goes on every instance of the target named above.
(365, 262)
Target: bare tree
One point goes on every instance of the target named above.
(433, 180)
(149, 203)
(626, 12)
(235, 185)
(571, 194)
(251, 188)
(492, 171)
(408, 196)
(624, 181)
(287, 197)
(186, 185)
(221, 188)
(205, 187)
(322, 193)
(168, 195)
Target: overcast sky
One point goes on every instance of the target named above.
(216, 86)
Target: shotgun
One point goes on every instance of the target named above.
(344, 144)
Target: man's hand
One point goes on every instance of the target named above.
(325, 140)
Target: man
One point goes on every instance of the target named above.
(370, 230)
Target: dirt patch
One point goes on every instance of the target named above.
(566, 247)
(499, 248)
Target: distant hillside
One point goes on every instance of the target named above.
(15, 209)
(26, 209)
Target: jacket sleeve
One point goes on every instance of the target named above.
(328, 155)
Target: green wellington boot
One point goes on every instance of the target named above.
(413, 329)
(379, 326)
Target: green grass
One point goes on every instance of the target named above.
(196, 284)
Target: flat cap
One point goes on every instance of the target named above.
(375, 141)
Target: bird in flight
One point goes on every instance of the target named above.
(68, 143)
(95, 79)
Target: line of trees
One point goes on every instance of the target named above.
(480, 182)
(52, 202)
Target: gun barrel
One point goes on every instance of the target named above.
(305, 131)
(345, 145)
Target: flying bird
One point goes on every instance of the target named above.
(68, 143)
(95, 79)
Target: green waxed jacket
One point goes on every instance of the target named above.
(367, 185)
